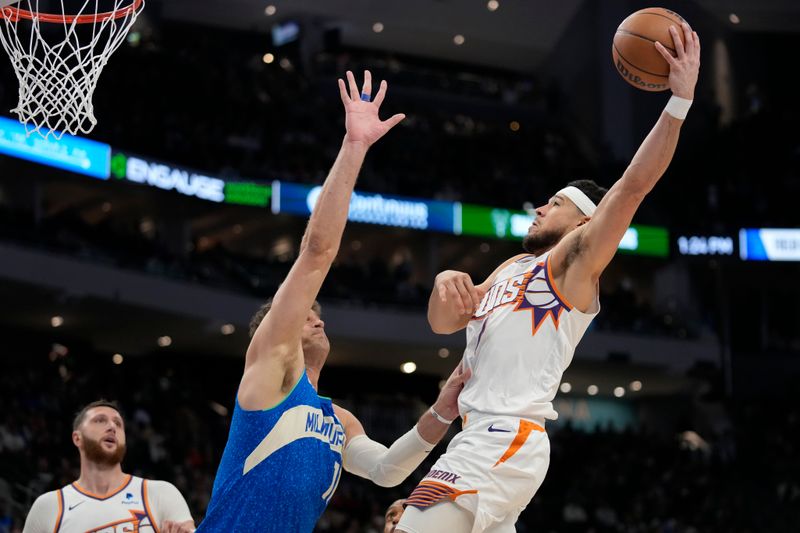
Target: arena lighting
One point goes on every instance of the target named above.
(566, 387)
(636, 386)
(227, 329)
(514, 125)
(444, 353)
(164, 341)
(218, 408)
(492, 5)
(408, 368)
(619, 392)
(270, 10)
(591, 390)
(268, 58)
(734, 18)
(458, 40)
(117, 358)
(377, 27)
(57, 321)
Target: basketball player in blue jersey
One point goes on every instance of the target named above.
(523, 324)
(287, 445)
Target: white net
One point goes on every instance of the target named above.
(58, 57)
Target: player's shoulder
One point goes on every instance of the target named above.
(343, 414)
(158, 485)
(49, 501)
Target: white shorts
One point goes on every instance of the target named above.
(492, 468)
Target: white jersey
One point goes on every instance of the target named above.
(519, 343)
(137, 505)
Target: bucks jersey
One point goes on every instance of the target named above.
(280, 466)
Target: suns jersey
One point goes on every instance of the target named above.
(520, 341)
(138, 505)
(280, 467)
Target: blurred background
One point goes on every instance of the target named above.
(131, 260)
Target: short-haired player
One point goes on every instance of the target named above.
(104, 498)
(523, 324)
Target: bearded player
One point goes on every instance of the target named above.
(104, 498)
(523, 324)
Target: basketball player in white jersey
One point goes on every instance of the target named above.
(523, 324)
(106, 499)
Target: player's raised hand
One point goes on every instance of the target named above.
(684, 68)
(362, 121)
(457, 287)
(447, 403)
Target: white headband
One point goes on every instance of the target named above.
(580, 199)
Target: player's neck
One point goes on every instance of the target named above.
(313, 376)
(100, 479)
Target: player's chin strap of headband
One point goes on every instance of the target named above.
(579, 198)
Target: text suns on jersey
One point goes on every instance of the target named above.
(532, 291)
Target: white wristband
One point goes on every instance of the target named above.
(439, 417)
(678, 107)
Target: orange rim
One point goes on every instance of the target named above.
(14, 14)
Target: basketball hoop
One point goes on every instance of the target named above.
(58, 58)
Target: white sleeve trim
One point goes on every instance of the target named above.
(43, 514)
(386, 467)
(166, 502)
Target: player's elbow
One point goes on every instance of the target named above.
(443, 325)
(320, 249)
(386, 477)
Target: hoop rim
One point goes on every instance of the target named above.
(14, 14)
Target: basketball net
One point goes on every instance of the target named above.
(58, 58)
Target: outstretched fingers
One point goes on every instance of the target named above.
(378, 100)
(351, 82)
(343, 92)
(394, 121)
(366, 89)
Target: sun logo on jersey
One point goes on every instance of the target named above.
(532, 291)
(542, 298)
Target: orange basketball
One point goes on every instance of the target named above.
(634, 52)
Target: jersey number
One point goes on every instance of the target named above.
(337, 475)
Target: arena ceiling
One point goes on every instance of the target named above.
(518, 35)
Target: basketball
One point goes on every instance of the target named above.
(634, 53)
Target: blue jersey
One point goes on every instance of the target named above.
(280, 466)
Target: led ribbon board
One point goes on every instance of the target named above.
(769, 244)
(706, 245)
(71, 153)
(371, 208)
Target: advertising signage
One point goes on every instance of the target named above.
(246, 193)
(482, 221)
(370, 208)
(769, 244)
(167, 177)
(645, 240)
(71, 153)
